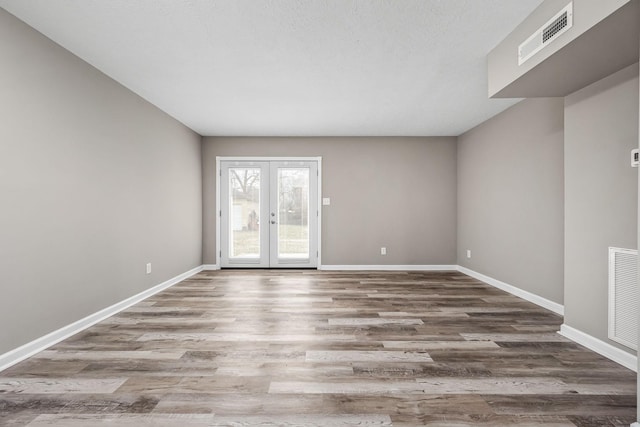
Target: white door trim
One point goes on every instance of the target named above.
(220, 159)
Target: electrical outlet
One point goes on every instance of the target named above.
(469, 253)
(148, 268)
(383, 251)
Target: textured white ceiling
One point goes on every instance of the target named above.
(293, 67)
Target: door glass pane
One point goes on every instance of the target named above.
(244, 215)
(293, 213)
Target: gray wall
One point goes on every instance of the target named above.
(94, 183)
(510, 197)
(601, 128)
(393, 192)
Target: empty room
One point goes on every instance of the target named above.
(319, 213)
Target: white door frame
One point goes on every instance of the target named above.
(220, 159)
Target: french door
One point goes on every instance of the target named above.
(268, 214)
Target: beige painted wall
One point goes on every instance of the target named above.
(601, 129)
(94, 183)
(393, 192)
(510, 197)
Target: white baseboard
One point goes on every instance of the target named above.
(605, 349)
(27, 350)
(381, 267)
(536, 299)
(210, 267)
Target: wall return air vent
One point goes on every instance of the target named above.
(623, 296)
(544, 35)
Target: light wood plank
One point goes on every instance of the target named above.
(367, 356)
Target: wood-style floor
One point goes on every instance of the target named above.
(309, 348)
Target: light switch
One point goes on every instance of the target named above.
(326, 201)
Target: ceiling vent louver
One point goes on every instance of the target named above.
(544, 35)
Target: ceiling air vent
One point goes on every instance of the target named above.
(544, 35)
